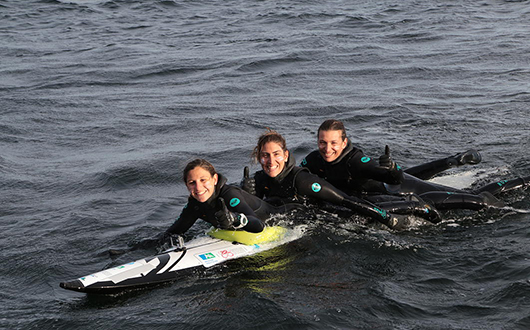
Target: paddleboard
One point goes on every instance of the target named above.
(218, 247)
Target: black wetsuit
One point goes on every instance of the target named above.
(353, 172)
(349, 174)
(237, 200)
(297, 184)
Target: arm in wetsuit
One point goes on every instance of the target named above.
(186, 219)
(256, 210)
(239, 201)
(310, 185)
(367, 168)
(236, 203)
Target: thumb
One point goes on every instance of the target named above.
(222, 204)
(246, 172)
(387, 150)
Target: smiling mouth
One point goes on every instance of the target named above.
(200, 193)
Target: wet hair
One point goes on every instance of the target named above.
(269, 136)
(202, 163)
(333, 125)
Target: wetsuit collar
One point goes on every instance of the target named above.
(221, 180)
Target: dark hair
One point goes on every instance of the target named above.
(202, 163)
(333, 125)
(269, 136)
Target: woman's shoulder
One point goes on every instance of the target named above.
(191, 206)
(229, 189)
(260, 175)
(313, 156)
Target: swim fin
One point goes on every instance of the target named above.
(496, 188)
(470, 156)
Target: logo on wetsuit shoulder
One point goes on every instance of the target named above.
(304, 162)
(316, 187)
(365, 159)
(234, 202)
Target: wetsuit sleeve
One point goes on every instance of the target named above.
(368, 168)
(237, 203)
(310, 185)
(184, 222)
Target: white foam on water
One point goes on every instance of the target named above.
(514, 210)
(465, 179)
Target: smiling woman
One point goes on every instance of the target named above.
(208, 193)
(347, 168)
(280, 181)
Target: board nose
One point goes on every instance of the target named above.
(74, 285)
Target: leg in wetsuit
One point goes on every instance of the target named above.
(496, 188)
(444, 197)
(407, 204)
(428, 170)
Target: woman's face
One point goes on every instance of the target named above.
(201, 184)
(272, 158)
(331, 144)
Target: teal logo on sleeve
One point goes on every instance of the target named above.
(382, 212)
(316, 187)
(234, 202)
(502, 183)
(365, 159)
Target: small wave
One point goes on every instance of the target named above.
(513, 294)
(130, 176)
(514, 210)
(440, 282)
(265, 64)
(164, 70)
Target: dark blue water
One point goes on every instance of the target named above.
(103, 102)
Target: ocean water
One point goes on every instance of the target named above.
(102, 103)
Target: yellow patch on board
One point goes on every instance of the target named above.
(269, 234)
